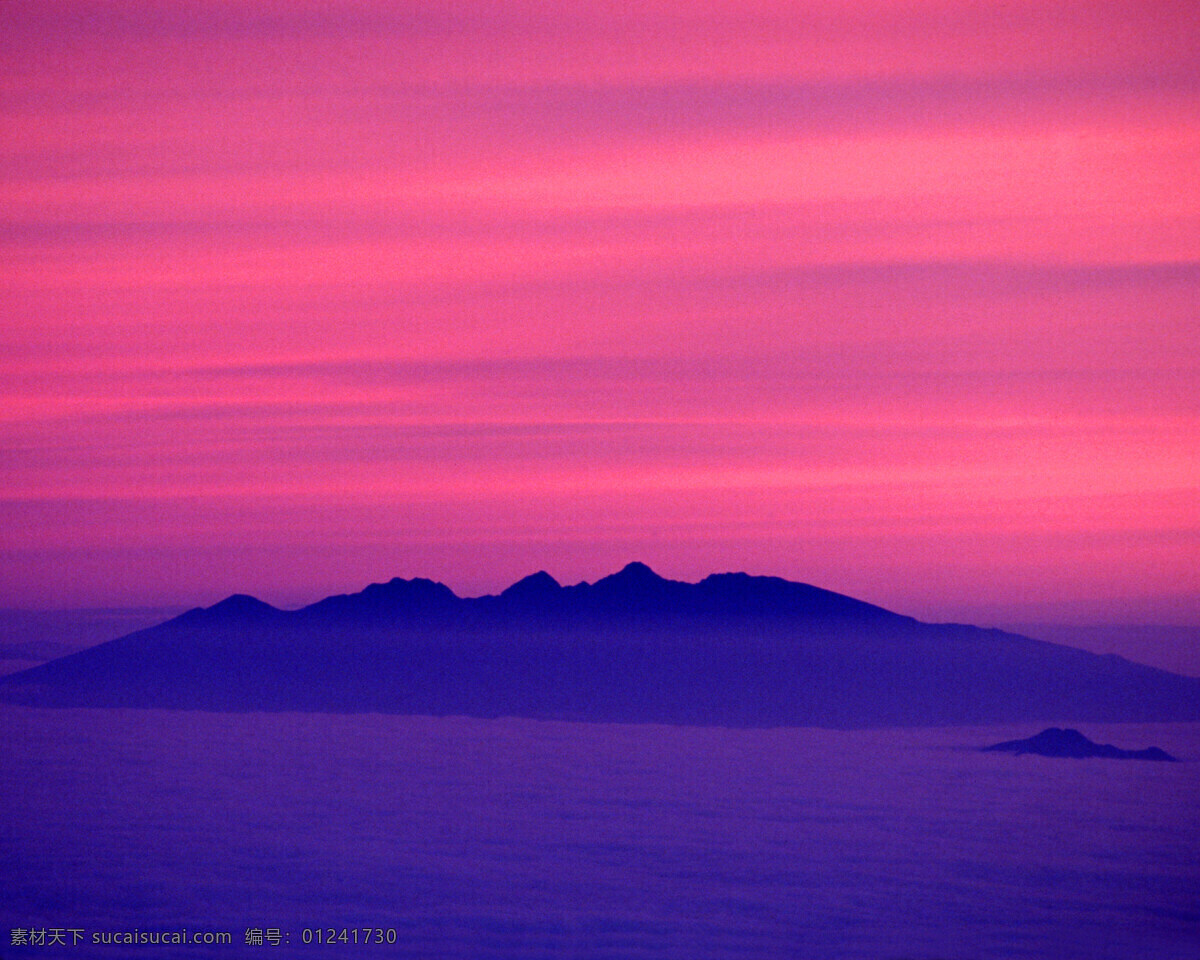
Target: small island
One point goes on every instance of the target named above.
(1056, 742)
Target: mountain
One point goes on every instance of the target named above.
(733, 650)
(1055, 742)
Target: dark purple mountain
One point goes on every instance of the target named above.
(1056, 742)
(732, 650)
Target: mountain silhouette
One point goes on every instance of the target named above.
(238, 608)
(732, 649)
(536, 588)
(1056, 742)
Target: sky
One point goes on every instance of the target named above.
(895, 298)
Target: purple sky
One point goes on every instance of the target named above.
(898, 299)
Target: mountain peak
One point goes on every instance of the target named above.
(417, 586)
(535, 585)
(398, 596)
(241, 602)
(633, 578)
(635, 588)
(238, 606)
(636, 572)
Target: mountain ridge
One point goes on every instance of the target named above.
(635, 588)
(732, 650)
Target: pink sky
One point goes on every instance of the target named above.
(900, 299)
